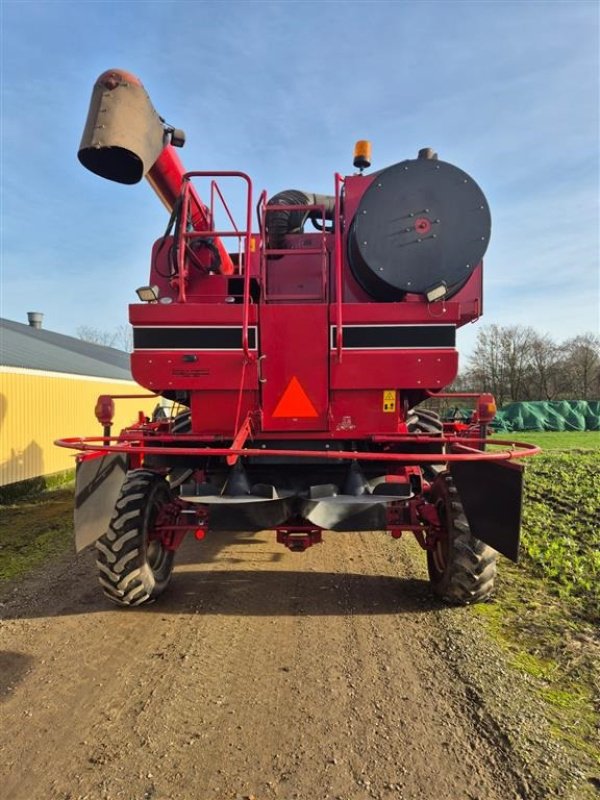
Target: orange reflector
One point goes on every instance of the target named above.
(486, 408)
(295, 402)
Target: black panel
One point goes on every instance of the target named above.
(377, 337)
(491, 494)
(180, 338)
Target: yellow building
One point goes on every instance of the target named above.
(49, 384)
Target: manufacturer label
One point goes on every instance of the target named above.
(389, 400)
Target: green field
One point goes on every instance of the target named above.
(546, 610)
(551, 440)
(561, 525)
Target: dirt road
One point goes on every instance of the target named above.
(261, 673)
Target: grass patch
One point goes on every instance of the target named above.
(33, 530)
(546, 610)
(561, 526)
(546, 639)
(32, 487)
(555, 440)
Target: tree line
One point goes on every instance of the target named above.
(517, 363)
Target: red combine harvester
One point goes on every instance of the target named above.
(296, 361)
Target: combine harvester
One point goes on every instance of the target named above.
(299, 360)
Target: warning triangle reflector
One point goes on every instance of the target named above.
(295, 402)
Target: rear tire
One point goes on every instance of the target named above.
(421, 420)
(462, 569)
(134, 568)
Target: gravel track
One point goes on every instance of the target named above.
(261, 673)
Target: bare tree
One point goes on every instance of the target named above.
(124, 338)
(121, 337)
(545, 383)
(96, 336)
(487, 371)
(581, 366)
(516, 355)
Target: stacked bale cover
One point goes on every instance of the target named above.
(554, 415)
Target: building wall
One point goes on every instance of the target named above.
(38, 407)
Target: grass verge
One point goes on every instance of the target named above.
(34, 529)
(546, 610)
(556, 440)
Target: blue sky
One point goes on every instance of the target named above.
(508, 91)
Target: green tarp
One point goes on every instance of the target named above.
(555, 415)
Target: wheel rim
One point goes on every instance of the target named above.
(439, 553)
(156, 554)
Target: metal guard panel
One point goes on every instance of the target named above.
(213, 370)
(188, 314)
(492, 494)
(394, 369)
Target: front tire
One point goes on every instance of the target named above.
(135, 568)
(462, 569)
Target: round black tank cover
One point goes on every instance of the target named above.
(420, 223)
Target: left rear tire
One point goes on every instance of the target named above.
(133, 567)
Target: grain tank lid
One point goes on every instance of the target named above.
(420, 223)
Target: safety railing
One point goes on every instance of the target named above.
(337, 260)
(453, 449)
(243, 237)
(266, 252)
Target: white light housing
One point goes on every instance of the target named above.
(436, 292)
(147, 294)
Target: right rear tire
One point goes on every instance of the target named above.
(422, 420)
(462, 569)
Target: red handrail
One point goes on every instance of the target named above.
(245, 235)
(167, 178)
(135, 443)
(337, 254)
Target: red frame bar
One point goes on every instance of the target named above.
(123, 444)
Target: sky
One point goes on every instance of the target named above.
(507, 91)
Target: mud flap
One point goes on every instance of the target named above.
(492, 494)
(98, 482)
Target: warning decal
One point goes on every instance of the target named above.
(389, 400)
(295, 402)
